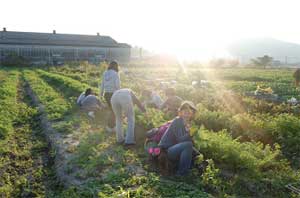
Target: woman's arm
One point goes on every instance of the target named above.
(102, 87)
(79, 99)
(117, 82)
(136, 101)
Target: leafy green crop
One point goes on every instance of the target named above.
(70, 86)
(8, 103)
(56, 106)
(250, 163)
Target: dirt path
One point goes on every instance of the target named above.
(43, 173)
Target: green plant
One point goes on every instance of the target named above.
(8, 102)
(250, 163)
(55, 105)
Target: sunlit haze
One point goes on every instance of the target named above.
(187, 29)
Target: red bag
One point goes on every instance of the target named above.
(160, 132)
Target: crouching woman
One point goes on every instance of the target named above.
(89, 103)
(177, 141)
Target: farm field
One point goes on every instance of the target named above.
(252, 145)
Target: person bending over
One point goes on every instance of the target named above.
(122, 102)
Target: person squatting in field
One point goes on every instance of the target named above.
(176, 141)
(87, 92)
(172, 103)
(151, 99)
(123, 100)
(89, 103)
(110, 83)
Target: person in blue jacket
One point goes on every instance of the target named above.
(177, 141)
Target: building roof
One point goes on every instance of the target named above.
(34, 38)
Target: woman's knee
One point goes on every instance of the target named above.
(187, 144)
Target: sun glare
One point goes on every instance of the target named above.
(191, 30)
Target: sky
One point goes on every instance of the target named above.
(189, 29)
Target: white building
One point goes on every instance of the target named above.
(53, 48)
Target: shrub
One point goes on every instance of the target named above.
(212, 120)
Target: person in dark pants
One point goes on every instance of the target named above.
(110, 84)
(177, 141)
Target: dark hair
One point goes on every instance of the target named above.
(187, 105)
(88, 91)
(114, 66)
(170, 91)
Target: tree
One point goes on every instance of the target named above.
(262, 61)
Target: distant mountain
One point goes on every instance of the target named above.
(279, 50)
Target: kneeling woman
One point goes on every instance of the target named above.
(177, 141)
(89, 103)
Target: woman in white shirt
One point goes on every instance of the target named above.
(110, 84)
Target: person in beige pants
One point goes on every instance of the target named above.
(122, 102)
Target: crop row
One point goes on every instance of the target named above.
(55, 105)
(23, 150)
(282, 129)
(71, 87)
(283, 90)
(249, 168)
(8, 103)
(255, 75)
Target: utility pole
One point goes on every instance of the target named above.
(49, 56)
(286, 60)
(141, 53)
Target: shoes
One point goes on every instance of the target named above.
(91, 114)
(129, 145)
(110, 130)
(120, 143)
(202, 167)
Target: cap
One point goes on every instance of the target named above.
(187, 104)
